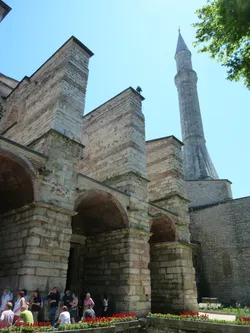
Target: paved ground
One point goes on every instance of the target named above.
(219, 316)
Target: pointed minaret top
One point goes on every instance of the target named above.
(181, 45)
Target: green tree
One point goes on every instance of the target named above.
(223, 31)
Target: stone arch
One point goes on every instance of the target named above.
(98, 247)
(20, 159)
(163, 229)
(102, 211)
(16, 191)
(16, 181)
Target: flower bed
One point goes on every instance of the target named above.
(98, 322)
(195, 316)
(89, 323)
(26, 328)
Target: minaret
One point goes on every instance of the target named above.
(197, 162)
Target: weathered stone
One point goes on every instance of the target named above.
(26, 271)
(33, 282)
(32, 241)
(47, 272)
(84, 197)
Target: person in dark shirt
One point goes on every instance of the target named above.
(36, 304)
(67, 299)
(53, 299)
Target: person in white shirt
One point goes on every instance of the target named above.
(19, 303)
(105, 305)
(7, 316)
(64, 317)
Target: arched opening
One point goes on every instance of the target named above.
(162, 261)
(16, 190)
(98, 212)
(97, 247)
(163, 230)
(16, 187)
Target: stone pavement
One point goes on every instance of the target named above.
(219, 316)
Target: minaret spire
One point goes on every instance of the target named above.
(197, 162)
(181, 45)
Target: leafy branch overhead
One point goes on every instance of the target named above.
(223, 31)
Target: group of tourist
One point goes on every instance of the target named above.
(15, 312)
(25, 310)
(69, 301)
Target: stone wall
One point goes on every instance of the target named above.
(106, 258)
(103, 180)
(116, 263)
(172, 273)
(114, 136)
(164, 168)
(223, 233)
(205, 192)
(58, 177)
(167, 187)
(12, 247)
(46, 223)
(172, 278)
(53, 97)
(34, 247)
(2, 108)
(165, 172)
(157, 325)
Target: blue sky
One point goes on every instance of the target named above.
(134, 43)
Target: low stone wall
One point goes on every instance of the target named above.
(124, 327)
(158, 325)
(128, 327)
(109, 329)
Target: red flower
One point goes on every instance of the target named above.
(244, 319)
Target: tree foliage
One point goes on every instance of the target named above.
(223, 30)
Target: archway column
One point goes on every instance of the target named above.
(36, 247)
(116, 263)
(172, 276)
(139, 285)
